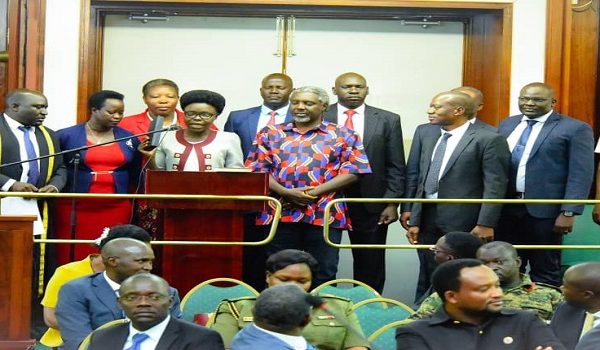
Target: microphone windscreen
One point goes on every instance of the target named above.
(156, 125)
(314, 300)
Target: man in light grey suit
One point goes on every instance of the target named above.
(382, 137)
(465, 161)
(552, 158)
(88, 302)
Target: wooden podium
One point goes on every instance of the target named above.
(203, 220)
(16, 240)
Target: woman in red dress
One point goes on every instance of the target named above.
(111, 168)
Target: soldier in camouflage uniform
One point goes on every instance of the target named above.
(519, 291)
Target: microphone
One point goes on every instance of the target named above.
(156, 124)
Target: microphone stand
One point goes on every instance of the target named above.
(83, 148)
(73, 222)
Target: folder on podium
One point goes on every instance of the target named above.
(203, 220)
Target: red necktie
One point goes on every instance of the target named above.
(272, 120)
(350, 113)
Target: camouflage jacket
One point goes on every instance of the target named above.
(538, 297)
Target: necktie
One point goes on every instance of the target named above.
(588, 323)
(350, 113)
(431, 181)
(517, 152)
(34, 171)
(138, 339)
(272, 120)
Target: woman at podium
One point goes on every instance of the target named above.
(198, 147)
(104, 168)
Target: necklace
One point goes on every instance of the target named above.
(98, 138)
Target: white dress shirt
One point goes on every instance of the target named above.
(297, 342)
(14, 125)
(513, 139)
(358, 119)
(153, 333)
(113, 285)
(264, 117)
(597, 150)
(451, 144)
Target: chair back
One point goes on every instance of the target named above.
(86, 341)
(375, 313)
(357, 292)
(205, 297)
(385, 337)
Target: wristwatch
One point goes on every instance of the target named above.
(567, 213)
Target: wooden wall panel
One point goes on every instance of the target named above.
(572, 57)
(488, 49)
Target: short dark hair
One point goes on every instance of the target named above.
(98, 98)
(287, 257)
(447, 275)
(126, 231)
(282, 307)
(464, 245)
(203, 96)
(159, 82)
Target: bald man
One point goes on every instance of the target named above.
(88, 302)
(580, 313)
(552, 158)
(381, 133)
(465, 161)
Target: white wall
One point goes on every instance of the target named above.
(62, 50)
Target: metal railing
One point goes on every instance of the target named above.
(269, 238)
(455, 201)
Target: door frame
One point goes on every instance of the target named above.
(487, 44)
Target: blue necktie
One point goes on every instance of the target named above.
(138, 339)
(431, 181)
(34, 171)
(519, 149)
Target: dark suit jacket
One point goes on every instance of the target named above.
(179, 335)
(561, 164)
(244, 124)
(385, 149)
(590, 340)
(10, 153)
(87, 303)
(422, 132)
(567, 323)
(125, 176)
(478, 168)
(509, 330)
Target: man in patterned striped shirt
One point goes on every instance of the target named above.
(310, 161)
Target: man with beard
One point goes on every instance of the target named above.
(580, 313)
(309, 162)
(519, 292)
(472, 316)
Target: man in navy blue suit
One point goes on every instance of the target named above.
(552, 158)
(275, 91)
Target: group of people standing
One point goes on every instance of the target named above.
(316, 152)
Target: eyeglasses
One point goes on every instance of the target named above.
(202, 115)
(131, 298)
(526, 99)
(437, 250)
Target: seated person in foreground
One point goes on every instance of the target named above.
(66, 273)
(452, 245)
(324, 331)
(197, 148)
(280, 313)
(472, 316)
(519, 292)
(89, 302)
(145, 299)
